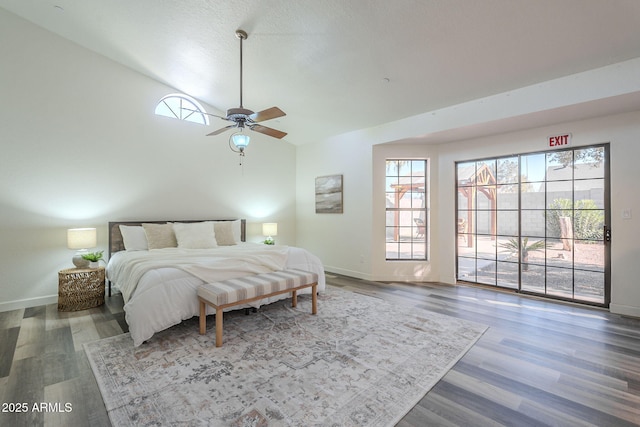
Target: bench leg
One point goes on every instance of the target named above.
(314, 299)
(218, 327)
(203, 318)
(294, 298)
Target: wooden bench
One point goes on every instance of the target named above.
(243, 290)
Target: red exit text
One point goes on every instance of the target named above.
(560, 140)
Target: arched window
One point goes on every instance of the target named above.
(182, 107)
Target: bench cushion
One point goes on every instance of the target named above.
(242, 288)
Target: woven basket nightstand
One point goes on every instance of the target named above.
(80, 288)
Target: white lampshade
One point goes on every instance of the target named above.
(270, 229)
(240, 140)
(82, 238)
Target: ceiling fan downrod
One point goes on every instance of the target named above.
(242, 35)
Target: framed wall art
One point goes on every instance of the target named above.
(329, 194)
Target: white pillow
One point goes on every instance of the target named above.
(134, 238)
(195, 235)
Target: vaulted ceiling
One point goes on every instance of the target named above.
(339, 65)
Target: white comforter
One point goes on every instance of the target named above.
(159, 286)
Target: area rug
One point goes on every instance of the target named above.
(360, 361)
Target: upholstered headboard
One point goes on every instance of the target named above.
(116, 243)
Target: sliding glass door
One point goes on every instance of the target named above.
(536, 223)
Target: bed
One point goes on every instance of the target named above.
(159, 278)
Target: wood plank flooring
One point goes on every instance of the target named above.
(42, 361)
(540, 363)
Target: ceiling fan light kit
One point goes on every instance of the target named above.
(244, 118)
(238, 141)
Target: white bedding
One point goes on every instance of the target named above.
(159, 286)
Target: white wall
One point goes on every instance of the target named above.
(342, 241)
(81, 146)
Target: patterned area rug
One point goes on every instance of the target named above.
(360, 361)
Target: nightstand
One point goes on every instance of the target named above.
(80, 288)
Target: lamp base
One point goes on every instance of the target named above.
(269, 241)
(80, 262)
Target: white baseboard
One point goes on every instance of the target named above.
(624, 310)
(400, 279)
(345, 272)
(364, 276)
(26, 303)
(449, 280)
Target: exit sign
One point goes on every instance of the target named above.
(560, 140)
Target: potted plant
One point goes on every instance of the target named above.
(93, 258)
(269, 241)
(515, 248)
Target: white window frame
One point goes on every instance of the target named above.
(405, 239)
(182, 107)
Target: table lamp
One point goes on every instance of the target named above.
(81, 239)
(269, 229)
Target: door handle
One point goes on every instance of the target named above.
(607, 234)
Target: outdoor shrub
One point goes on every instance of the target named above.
(587, 219)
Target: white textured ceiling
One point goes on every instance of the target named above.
(326, 62)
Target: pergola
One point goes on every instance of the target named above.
(414, 186)
(470, 181)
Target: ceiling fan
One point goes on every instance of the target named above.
(242, 117)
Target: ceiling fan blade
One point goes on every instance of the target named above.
(268, 131)
(268, 114)
(219, 131)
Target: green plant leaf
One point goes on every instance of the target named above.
(93, 256)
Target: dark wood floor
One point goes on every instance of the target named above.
(540, 362)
